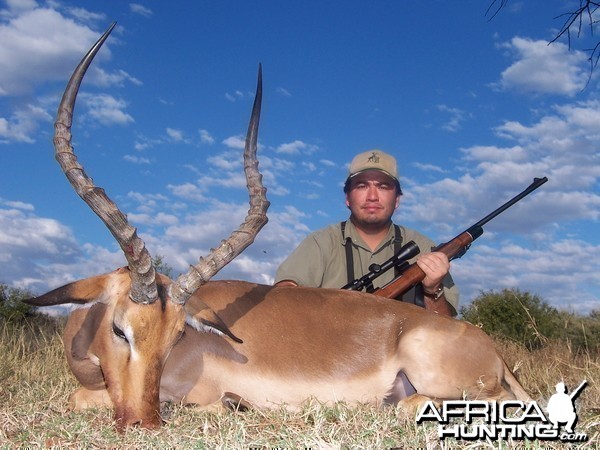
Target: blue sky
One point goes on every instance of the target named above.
(472, 108)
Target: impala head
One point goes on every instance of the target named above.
(142, 314)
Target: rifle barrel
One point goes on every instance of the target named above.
(578, 390)
(537, 182)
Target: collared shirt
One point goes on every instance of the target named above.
(320, 260)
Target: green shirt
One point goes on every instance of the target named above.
(320, 260)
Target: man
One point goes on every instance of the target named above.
(336, 255)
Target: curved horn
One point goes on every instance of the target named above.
(143, 283)
(181, 290)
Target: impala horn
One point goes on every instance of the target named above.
(143, 277)
(142, 273)
(181, 290)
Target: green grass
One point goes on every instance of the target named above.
(35, 383)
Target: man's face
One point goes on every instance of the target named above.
(372, 198)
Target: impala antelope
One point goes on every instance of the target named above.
(139, 338)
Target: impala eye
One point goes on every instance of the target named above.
(119, 333)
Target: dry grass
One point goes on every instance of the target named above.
(35, 383)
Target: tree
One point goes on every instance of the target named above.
(161, 266)
(574, 22)
(11, 305)
(518, 316)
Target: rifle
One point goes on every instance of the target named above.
(399, 260)
(578, 390)
(455, 248)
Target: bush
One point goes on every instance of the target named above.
(581, 332)
(518, 316)
(11, 305)
(525, 318)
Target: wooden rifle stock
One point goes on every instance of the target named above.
(414, 274)
(453, 249)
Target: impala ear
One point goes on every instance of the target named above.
(206, 320)
(83, 292)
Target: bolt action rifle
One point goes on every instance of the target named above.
(411, 274)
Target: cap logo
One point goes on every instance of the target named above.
(374, 158)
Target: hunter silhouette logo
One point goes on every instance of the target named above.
(561, 406)
(475, 419)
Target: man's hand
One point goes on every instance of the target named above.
(436, 266)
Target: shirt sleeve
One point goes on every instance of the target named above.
(304, 266)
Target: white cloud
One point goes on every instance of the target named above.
(18, 6)
(84, 15)
(175, 135)
(41, 45)
(106, 109)
(23, 124)
(279, 165)
(328, 163)
(457, 117)
(50, 255)
(205, 137)
(116, 78)
(546, 268)
(160, 219)
(17, 205)
(311, 167)
(225, 179)
(188, 191)
(284, 92)
(136, 159)
(238, 95)
(184, 243)
(541, 68)
(296, 147)
(563, 144)
(29, 242)
(140, 9)
(428, 167)
(228, 161)
(280, 191)
(238, 141)
(143, 143)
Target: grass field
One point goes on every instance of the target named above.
(35, 383)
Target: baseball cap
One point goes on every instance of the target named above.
(374, 160)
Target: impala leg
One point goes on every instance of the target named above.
(227, 403)
(84, 398)
(410, 406)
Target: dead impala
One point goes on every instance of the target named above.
(140, 338)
